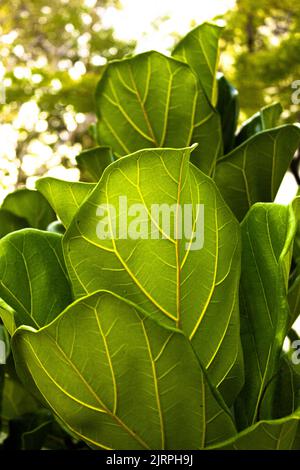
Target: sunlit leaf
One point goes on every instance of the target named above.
(200, 50)
(139, 400)
(179, 280)
(152, 100)
(33, 279)
(267, 236)
(254, 171)
(64, 196)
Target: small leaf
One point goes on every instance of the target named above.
(277, 434)
(7, 315)
(228, 107)
(254, 171)
(93, 162)
(28, 432)
(30, 205)
(9, 222)
(33, 280)
(266, 118)
(65, 197)
(294, 290)
(16, 400)
(286, 394)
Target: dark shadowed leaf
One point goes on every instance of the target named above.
(228, 107)
(266, 118)
(30, 205)
(9, 222)
(93, 162)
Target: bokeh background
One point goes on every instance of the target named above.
(52, 54)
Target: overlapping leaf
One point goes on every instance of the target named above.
(179, 280)
(294, 291)
(92, 163)
(135, 385)
(31, 206)
(266, 118)
(64, 196)
(200, 50)
(267, 237)
(228, 107)
(9, 222)
(254, 171)
(33, 278)
(280, 434)
(155, 101)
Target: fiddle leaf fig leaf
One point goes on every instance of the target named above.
(31, 206)
(277, 434)
(141, 363)
(267, 239)
(65, 197)
(228, 107)
(294, 291)
(92, 163)
(149, 253)
(266, 118)
(152, 100)
(33, 278)
(253, 171)
(200, 50)
(7, 315)
(16, 400)
(9, 222)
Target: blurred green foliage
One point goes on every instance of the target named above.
(261, 44)
(52, 53)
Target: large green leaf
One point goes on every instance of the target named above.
(178, 281)
(228, 107)
(155, 101)
(267, 239)
(30, 205)
(254, 171)
(200, 50)
(64, 196)
(266, 118)
(10, 222)
(119, 380)
(33, 279)
(277, 434)
(92, 163)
